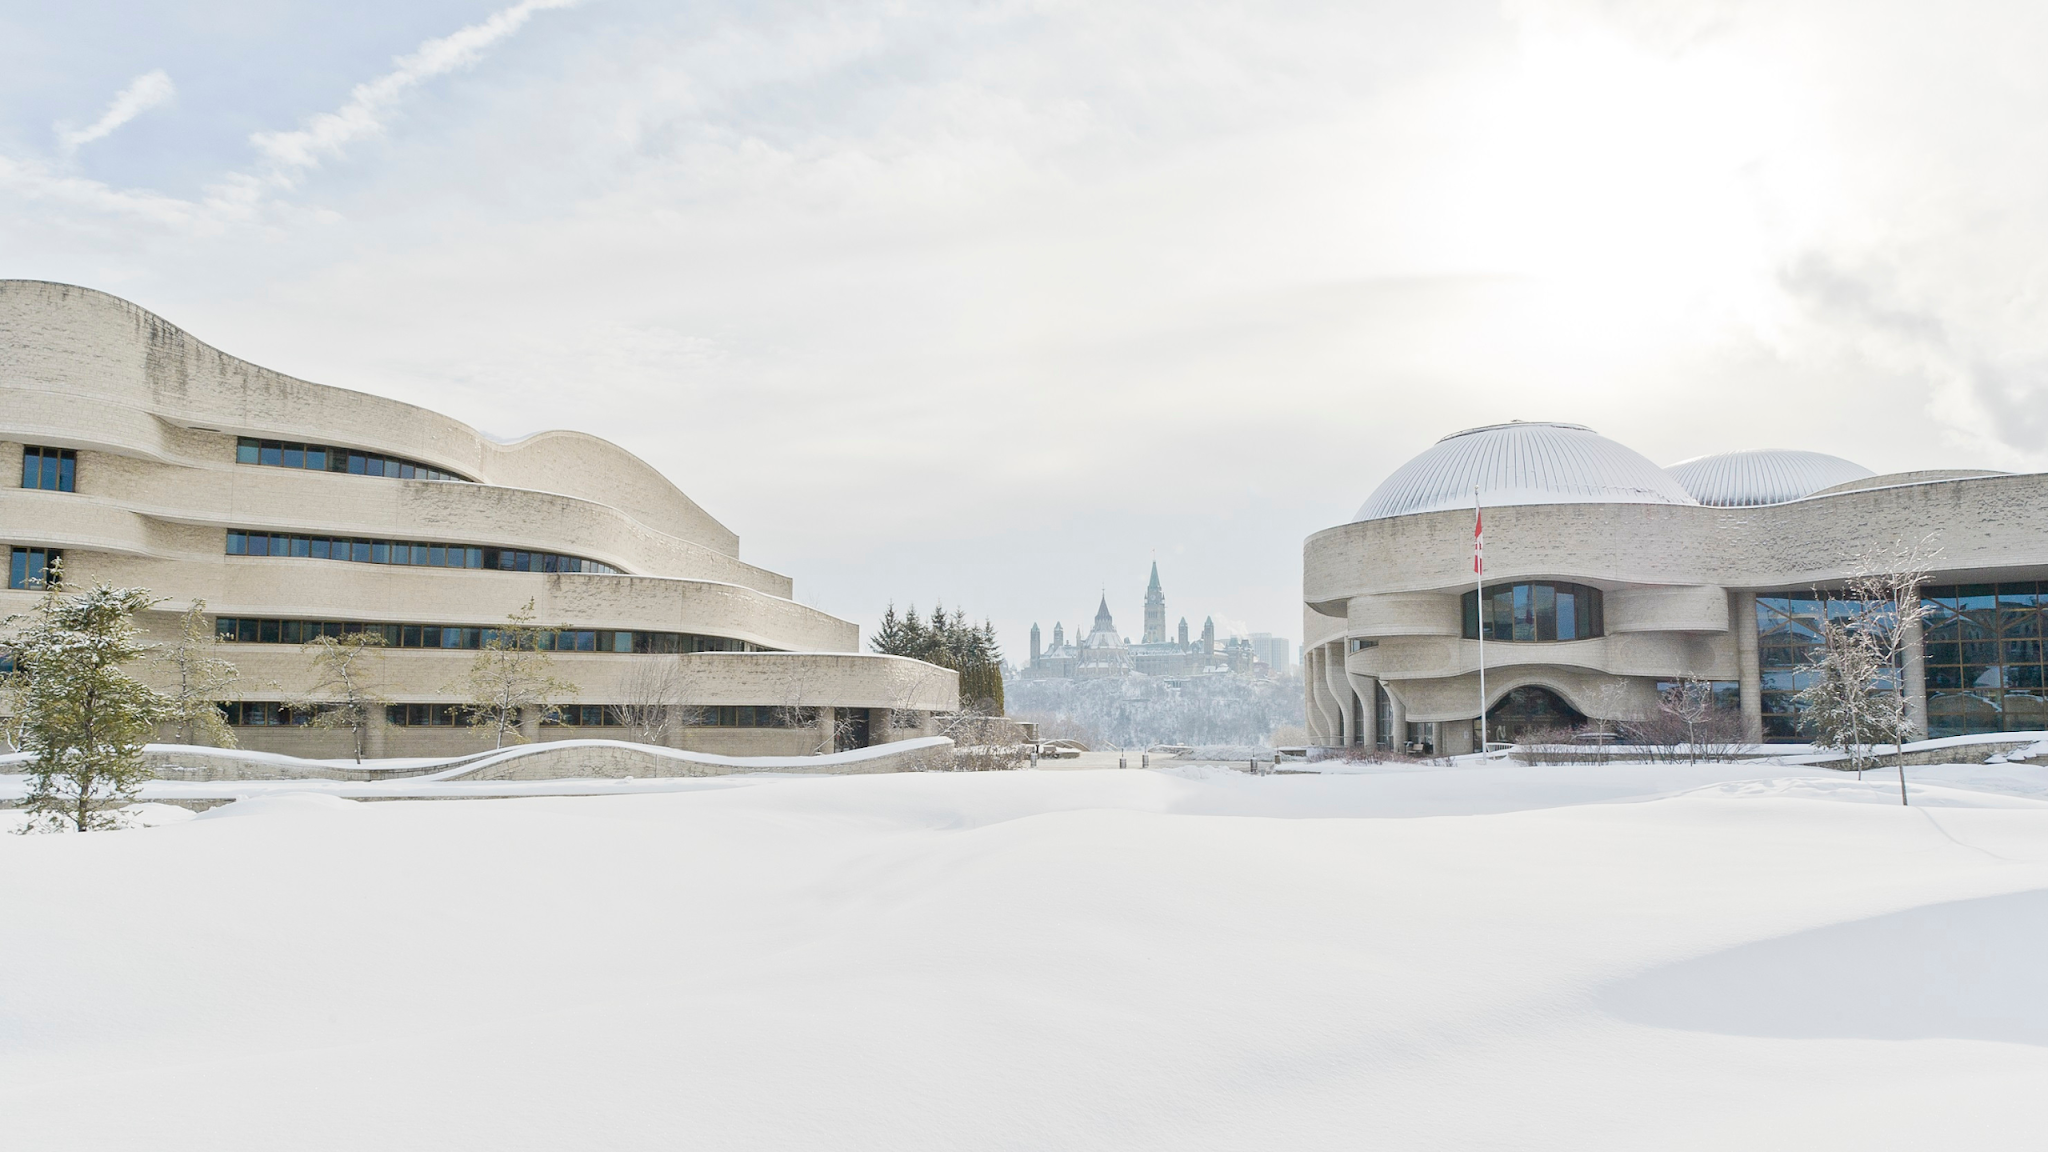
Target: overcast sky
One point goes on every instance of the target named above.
(996, 302)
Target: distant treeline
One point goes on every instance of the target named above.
(949, 642)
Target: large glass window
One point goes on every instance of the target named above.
(256, 630)
(51, 469)
(1535, 612)
(1984, 659)
(327, 458)
(28, 568)
(407, 552)
(1788, 644)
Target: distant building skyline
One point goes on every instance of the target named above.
(1104, 651)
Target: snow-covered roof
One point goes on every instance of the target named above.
(1763, 476)
(1522, 463)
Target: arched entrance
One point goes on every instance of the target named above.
(1528, 709)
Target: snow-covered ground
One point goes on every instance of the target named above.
(1717, 957)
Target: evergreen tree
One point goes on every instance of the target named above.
(949, 641)
(82, 719)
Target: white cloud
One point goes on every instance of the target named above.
(142, 93)
(369, 103)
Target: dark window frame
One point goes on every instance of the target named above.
(49, 469)
(28, 566)
(410, 636)
(331, 458)
(1533, 612)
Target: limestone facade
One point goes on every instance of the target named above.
(155, 426)
(1390, 656)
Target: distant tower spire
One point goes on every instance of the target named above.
(1183, 633)
(1034, 643)
(1155, 610)
(1209, 636)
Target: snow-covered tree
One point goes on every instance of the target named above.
(81, 717)
(343, 695)
(1858, 695)
(198, 680)
(510, 679)
(1847, 704)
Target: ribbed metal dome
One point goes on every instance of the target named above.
(1522, 463)
(1763, 476)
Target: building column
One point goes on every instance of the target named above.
(529, 725)
(828, 718)
(374, 732)
(1340, 689)
(1915, 656)
(1455, 737)
(1742, 605)
(1312, 684)
(1397, 723)
(881, 725)
(1333, 719)
(1367, 690)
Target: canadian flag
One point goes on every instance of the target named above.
(1478, 542)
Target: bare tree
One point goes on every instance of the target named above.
(984, 741)
(797, 713)
(651, 700)
(912, 690)
(1891, 579)
(199, 680)
(1689, 724)
(342, 696)
(510, 678)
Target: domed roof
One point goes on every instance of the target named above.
(1763, 476)
(1522, 463)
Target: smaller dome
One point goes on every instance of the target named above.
(1763, 476)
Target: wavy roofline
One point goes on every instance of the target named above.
(686, 511)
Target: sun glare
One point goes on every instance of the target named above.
(1648, 193)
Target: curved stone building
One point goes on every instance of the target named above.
(1607, 578)
(147, 458)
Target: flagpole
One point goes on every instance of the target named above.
(1479, 604)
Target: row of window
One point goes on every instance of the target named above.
(408, 552)
(1983, 655)
(254, 630)
(1789, 632)
(51, 469)
(1536, 612)
(1986, 670)
(275, 714)
(326, 458)
(27, 568)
